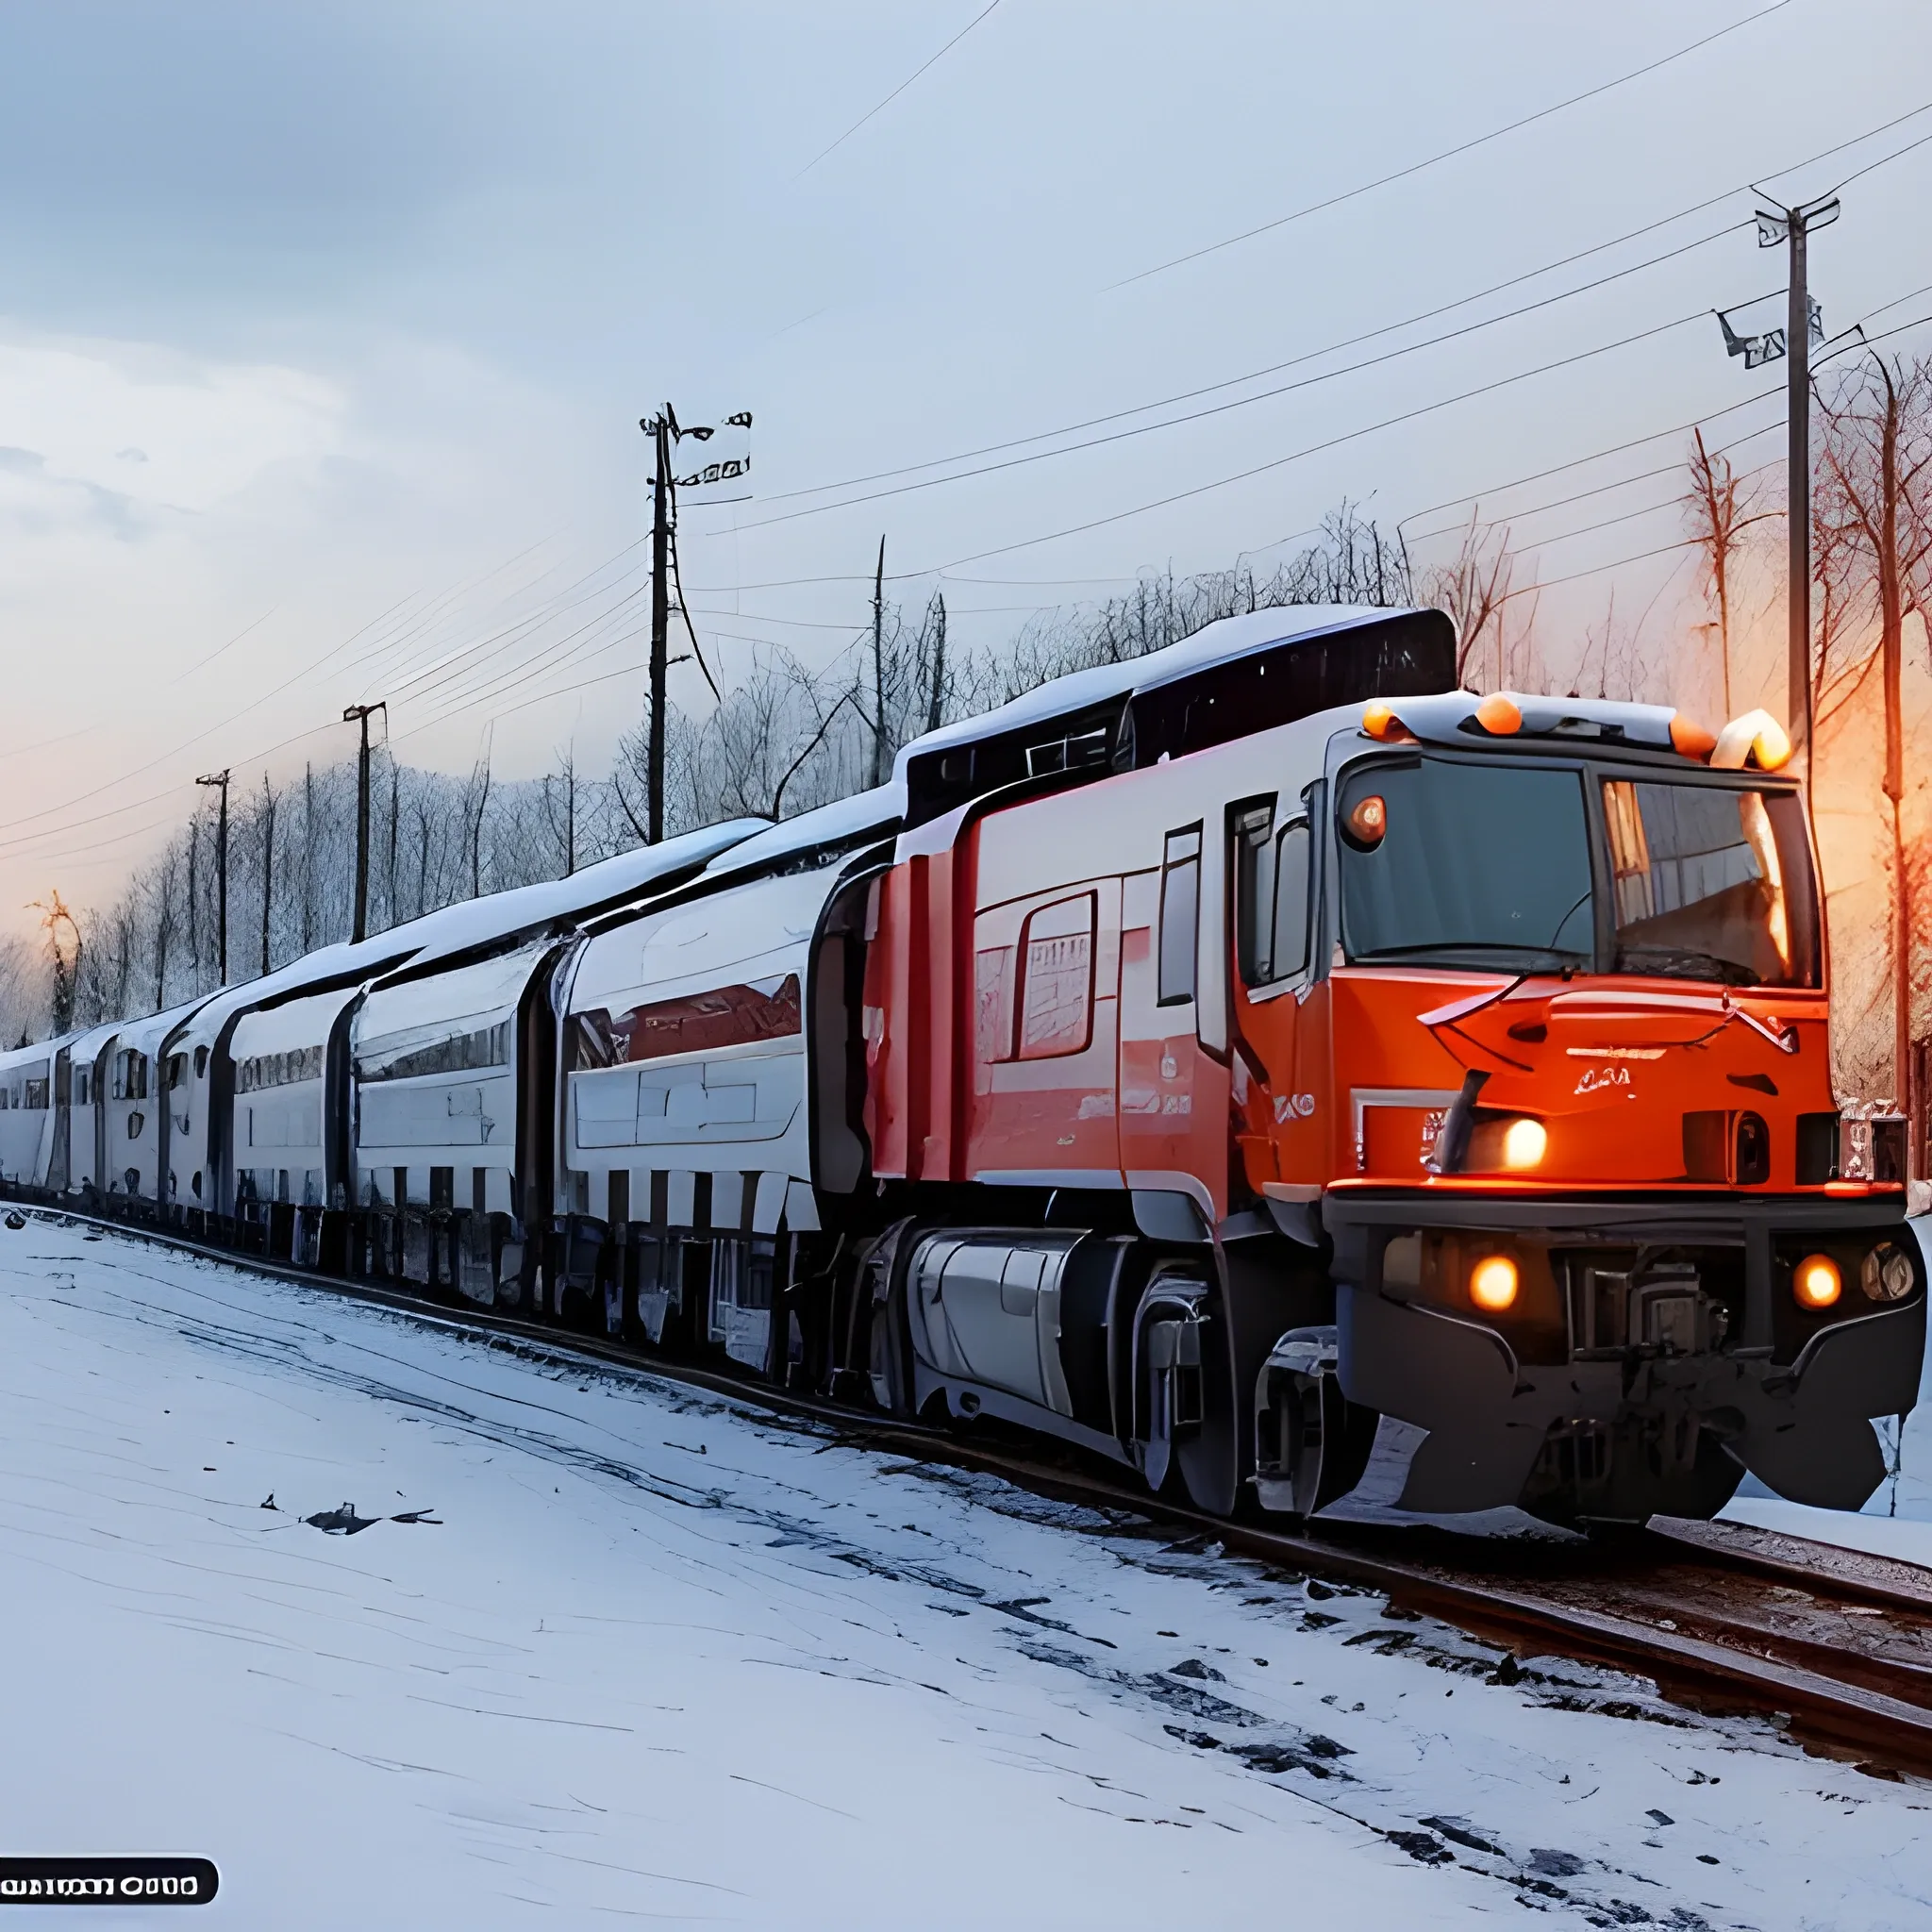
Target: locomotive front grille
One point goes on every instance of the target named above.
(1659, 1308)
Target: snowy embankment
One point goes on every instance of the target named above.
(653, 1656)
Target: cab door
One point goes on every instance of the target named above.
(1173, 1073)
(1279, 1064)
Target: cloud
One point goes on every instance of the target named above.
(166, 433)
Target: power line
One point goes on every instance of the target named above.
(1675, 430)
(1327, 443)
(1366, 336)
(1450, 153)
(869, 112)
(1238, 402)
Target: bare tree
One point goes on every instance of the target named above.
(65, 957)
(1477, 589)
(1718, 510)
(1874, 512)
(268, 865)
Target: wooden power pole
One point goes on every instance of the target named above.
(221, 779)
(660, 429)
(359, 714)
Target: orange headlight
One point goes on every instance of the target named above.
(1492, 1283)
(1815, 1282)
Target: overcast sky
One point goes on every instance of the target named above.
(324, 332)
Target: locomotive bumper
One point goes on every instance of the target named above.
(1657, 1353)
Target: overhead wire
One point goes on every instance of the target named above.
(1236, 402)
(1075, 428)
(1451, 153)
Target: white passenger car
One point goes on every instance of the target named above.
(685, 1079)
(449, 1178)
(26, 1114)
(134, 1105)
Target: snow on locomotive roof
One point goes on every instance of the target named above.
(1220, 643)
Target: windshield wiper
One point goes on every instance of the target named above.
(1685, 962)
(1464, 947)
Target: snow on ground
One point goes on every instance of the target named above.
(656, 1657)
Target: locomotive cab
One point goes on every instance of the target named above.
(1602, 1236)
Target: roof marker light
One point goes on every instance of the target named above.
(1758, 735)
(1689, 738)
(1381, 723)
(1499, 715)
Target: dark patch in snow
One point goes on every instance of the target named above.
(1193, 1667)
(342, 1521)
(1424, 1847)
(1554, 1864)
(1457, 1831)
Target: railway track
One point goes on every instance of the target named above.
(1722, 1617)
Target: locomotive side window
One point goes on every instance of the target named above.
(1055, 1013)
(1290, 935)
(1180, 915)
(1272, 896)
(1254, 891)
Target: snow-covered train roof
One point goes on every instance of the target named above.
(149, 1032)
(827, 828)
(462, 927)
(1205, 689)
(583, 894)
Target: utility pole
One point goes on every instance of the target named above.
(666, 432)
(1793, 227)
(359, 714)
(660, 429)
(221, 779)
(878, 669)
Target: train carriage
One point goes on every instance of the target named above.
(141, 1083)
(688, 1134)
(26, 1112)
(435, 1120)
(79, 1164)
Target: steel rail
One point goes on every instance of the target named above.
(1846, 1698)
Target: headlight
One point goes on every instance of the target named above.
(1815, 1282)
(1885, 1273)
(1524, 1143)
(1492, 1283)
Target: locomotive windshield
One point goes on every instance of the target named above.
(1478, 863)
